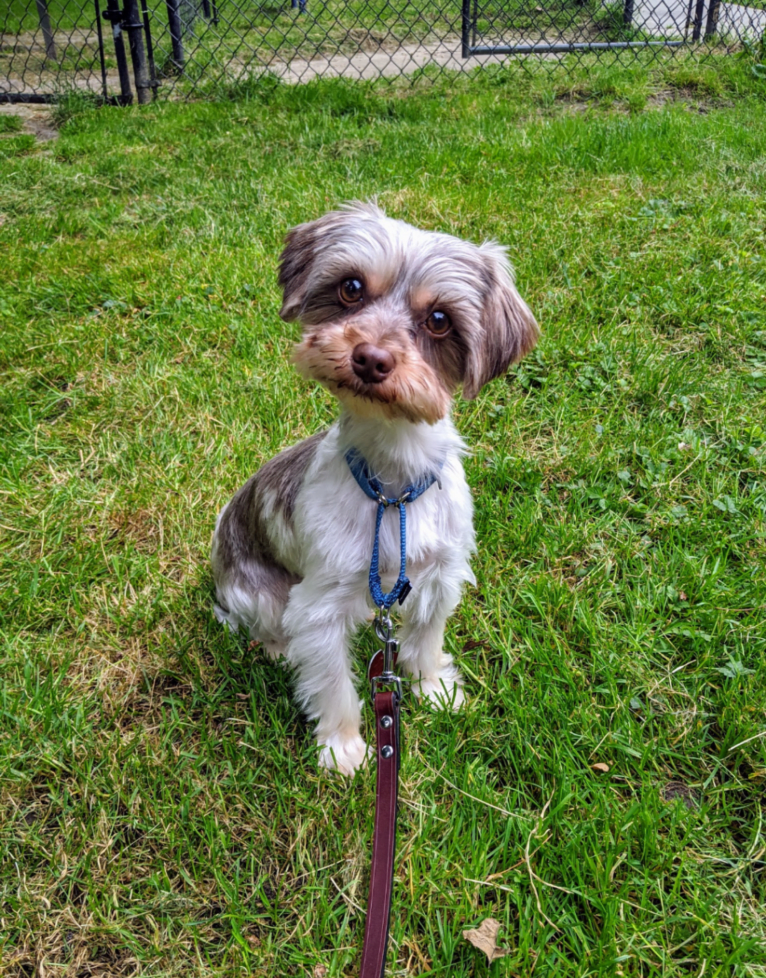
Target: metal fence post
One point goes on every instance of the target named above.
(101, 56)
(149, 48)
(45, 24)
(114, 15)
(466, 28)
(135, 29)
(176, 33)
(697, 23)
(627, 14)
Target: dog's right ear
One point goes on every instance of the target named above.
(294, 265)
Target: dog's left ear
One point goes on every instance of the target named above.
(508, 329)
(294, 265)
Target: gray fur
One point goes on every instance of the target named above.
(283, 475)
(244, 554)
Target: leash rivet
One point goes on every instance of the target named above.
(386, 752)
(386, 722)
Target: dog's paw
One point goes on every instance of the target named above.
(224, 617)
(440, 694)
(343, 754)
(276, 651)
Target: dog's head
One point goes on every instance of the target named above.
(395, 318)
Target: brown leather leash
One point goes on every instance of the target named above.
(386, 704)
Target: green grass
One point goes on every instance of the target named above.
(162, 809)
(10, 124)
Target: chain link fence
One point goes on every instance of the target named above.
(126, 50)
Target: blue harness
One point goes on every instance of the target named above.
(372, 488)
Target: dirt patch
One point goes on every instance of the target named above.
(36, 120)
(691, 97)
(678, 791)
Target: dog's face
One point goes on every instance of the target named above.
(395, 318)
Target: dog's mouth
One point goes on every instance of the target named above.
(366, 398)
(383, 392)
(337, 374)
(407, 391)
(390, 400)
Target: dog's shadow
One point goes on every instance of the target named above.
(223, 674)
(244, 669)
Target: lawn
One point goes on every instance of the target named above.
(602, 793)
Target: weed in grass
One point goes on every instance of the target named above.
(602, 794)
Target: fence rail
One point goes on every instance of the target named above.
(137, 50)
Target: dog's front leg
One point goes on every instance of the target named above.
(435, 595)
(320, 620)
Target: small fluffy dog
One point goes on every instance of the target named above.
(394, 320)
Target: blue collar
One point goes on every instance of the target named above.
(372, 488)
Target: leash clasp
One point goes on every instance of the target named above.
(381, 669)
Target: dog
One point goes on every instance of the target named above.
(395, 319)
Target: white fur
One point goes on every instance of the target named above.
(329, 546)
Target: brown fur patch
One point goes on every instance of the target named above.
(414, 390)
(509, 330)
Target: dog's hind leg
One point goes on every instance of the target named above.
(255, 597)
(251, 588)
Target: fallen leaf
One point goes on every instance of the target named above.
(473, 643)
(485, 939)
(320, 971)
(682, 596)
(600, 767)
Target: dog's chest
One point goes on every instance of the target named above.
(335, 524)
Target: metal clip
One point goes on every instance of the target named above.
(384, 629)
(383, 680)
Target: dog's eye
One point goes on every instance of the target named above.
(438, 324)
(351, 291)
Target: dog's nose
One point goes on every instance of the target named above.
(371, 364)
